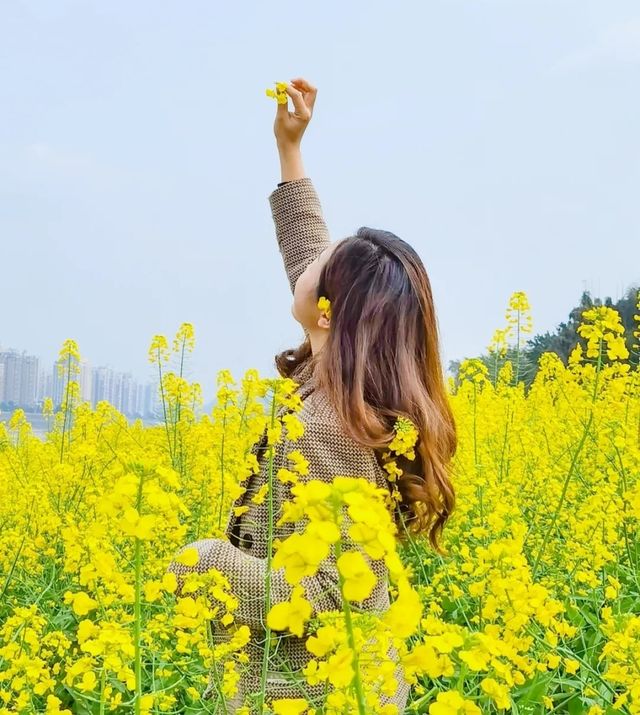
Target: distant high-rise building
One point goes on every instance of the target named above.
(116, 394)
(12, 363)
(59, 383)
(20, 378)
(42, 385)
(152, 405)
(81, 374)
(85, 380)
(121, 390)
(140, 400)
(29, 380)
(25, 383)
(48, 386)
(127, 394)
(102, 385)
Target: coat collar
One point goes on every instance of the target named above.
(304, 376)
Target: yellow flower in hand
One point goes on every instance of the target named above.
(279, 94)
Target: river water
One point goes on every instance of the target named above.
(40, 424)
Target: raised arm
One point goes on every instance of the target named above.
(297, 214)
(300, 227)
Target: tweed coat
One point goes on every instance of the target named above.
(302, 235)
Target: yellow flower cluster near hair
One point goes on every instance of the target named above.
(533, 607)
(406, 436)
(324, 304)
(279, 94)
(403, 443)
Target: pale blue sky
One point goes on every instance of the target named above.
(501, 138)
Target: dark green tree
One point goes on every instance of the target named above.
(565, 337)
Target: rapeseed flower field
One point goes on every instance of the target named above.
(534, 606)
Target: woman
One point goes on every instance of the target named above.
(370, 359)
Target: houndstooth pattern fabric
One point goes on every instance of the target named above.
(302, 234)
(301, 231)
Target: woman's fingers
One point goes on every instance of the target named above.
(301, 109)
(302, 84)
(282, 110)
(309, 92)
(290, 126)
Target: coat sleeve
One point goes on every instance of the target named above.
(330, 453)
(301, 231)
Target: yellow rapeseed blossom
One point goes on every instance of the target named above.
(602, 326)
(452, 703)
(279, 94)
(290, 615)
(359, 580)
(541, 548)
(289, 706)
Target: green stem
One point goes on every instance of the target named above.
(622, 488)
(346, 607)
(572, 467)
(216, 675)
(517, 375)
(558, 508)
(267, 594)
(66, 407)
(178, 406)
(102, 679)
(222, 446)
(137, 612)
(475, 428)
(137, 629)
(505, 441)
(164, 410)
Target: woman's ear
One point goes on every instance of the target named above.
(324, 322)
(324, 305)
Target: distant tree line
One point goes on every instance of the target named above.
(565, 337)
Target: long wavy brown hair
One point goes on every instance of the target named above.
(382, 361)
